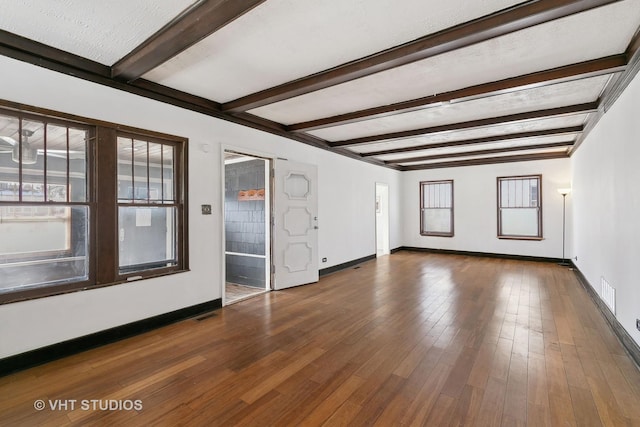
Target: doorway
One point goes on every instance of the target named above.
(382, 219)
(247, 234)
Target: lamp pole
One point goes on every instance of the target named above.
(564, 219)
(564, 192)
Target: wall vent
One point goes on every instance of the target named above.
(608, 294)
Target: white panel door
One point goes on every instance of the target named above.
(295, 254)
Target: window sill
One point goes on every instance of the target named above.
(437, 234)
(54, 290)
(520, 238)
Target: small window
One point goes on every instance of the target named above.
(436, 208)
(519, 207)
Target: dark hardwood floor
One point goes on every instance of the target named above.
(408, 339)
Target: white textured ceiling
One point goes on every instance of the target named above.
(280, 41)
(483, 132)
(486, 146)
(474, 157)
(589, 35)
(101, 30)
(283, 40)
(558, 95)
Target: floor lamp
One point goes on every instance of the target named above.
(564, 192)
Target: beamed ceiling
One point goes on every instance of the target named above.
(407, 84)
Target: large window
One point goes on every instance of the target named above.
(520, 207)
(67, 222)
(44, 203)
(436, 208)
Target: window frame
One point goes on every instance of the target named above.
(500, 234)
(178, 202)
(422, 184)
(101, 199)
(61, 287)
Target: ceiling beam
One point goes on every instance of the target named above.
(507, 21)
(539, 114)
(582, 70)
(489, 161)
(10, 42)
(482, 152)
(32, 52)
(484, 140)
(194, 24)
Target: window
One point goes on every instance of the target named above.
(147, 205)
(44, 204)
(436, 208)
(520, 207)
(67, 223)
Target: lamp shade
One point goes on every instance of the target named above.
(564, 191)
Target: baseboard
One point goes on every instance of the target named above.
(627, 341)
(345, 265)
(53, 352)
(481, 254)
(401, 248)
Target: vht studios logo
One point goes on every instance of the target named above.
(88, 405)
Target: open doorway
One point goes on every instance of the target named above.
(247, 210)
(382, 219)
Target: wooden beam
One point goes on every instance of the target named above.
(67, 63)
(496, 138)
(507, 21)
(42, 53)
(582, 70)
(482, 152)
(539, 114)
(489, 161)
(194, 24)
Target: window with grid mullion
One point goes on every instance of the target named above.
(519, 209)
(147, 208)
(44, 202)
(436, 208)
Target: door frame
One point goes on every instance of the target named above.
(386, 250)
(268, 214)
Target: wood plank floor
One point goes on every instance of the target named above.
(407, 339)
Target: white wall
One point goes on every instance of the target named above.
(475, 208)
(346, 208)
(606, 197)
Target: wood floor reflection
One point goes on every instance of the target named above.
(408, 339)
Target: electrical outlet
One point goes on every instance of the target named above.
(324, 260)
(638, 324)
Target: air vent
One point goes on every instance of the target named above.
(608, 294)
